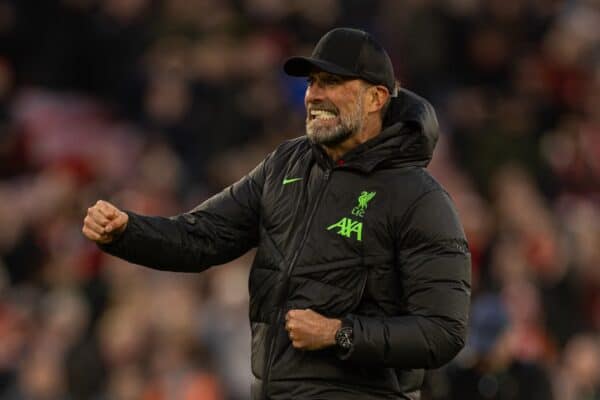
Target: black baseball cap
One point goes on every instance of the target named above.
(347, 52)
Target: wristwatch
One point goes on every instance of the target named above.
(344, 335)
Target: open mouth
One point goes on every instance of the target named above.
(322, 115)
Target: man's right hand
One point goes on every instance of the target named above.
(104, 222)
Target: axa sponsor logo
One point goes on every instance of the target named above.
(349, 227)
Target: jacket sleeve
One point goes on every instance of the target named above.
(217, 231)
(434, 270)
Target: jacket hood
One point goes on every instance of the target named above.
(410, 133)
(416, 116)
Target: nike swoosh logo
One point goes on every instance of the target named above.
(290, 180)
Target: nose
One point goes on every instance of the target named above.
(314, 93)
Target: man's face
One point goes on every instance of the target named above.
(334, 108)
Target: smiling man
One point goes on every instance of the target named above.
(361, 279)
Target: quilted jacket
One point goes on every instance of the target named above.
(372, 238)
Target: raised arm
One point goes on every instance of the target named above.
(217, 231)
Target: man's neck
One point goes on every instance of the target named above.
(369, 131)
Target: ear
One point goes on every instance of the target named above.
(377, 96)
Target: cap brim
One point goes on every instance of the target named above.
(303, 66)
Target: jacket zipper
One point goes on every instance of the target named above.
(284, 292)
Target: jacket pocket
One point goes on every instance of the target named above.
(333, 290)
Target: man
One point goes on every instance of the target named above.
(361, 278)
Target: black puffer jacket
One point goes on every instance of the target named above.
(373, 238)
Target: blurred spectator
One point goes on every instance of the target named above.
(488, 368)
(578, 376)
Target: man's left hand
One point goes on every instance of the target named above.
(309, 330)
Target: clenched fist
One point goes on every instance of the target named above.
(309, 330)
(104, 222)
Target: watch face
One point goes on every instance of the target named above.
(343, 337)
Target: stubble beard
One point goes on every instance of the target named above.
(349, 125)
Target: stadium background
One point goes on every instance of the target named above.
(157, 104)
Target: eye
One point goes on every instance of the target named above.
(332, 80)
(310, 80)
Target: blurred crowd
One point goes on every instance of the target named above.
(157, 104)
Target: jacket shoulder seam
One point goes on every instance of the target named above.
(415, 203)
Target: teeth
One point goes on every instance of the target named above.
(322, 114)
